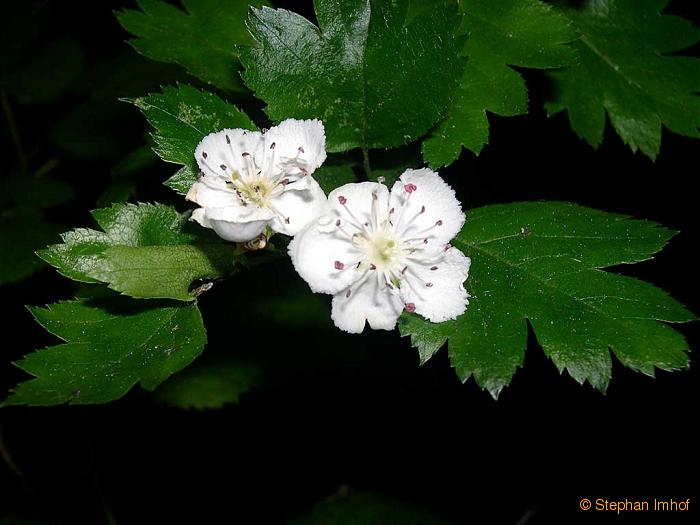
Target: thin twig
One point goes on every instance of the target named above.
(14, 132)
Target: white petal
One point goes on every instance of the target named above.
(440, 205)
(314, 252)
(300, 207)
(199, 216)
(371, 302)
(446, 298)
(359, 200)
(209, 195)
(237, 223)
(220, 154)
(292, 134)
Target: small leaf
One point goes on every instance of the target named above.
(626, 71)
(144, 252)
(540, 262)
(202, 38)
(210, 385)
(109, 347)
(357, 70)
(182, 116)
(361, 508)
(526, 33)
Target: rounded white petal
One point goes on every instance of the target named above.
(300, 207)
(372, 302)
(359, 201)
(289, 136)
(441, 206)
(206, 195)
(314, 253)
(446, 298)
(236, 223)
(220, 154)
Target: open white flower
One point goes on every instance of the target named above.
(379, 253)
(251, 180)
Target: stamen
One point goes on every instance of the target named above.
(428, 285)
(433, 268)
(342, 200)
(272, 146)
(223, 167)
(204, 155)
(410, 307)
(410, 187)
(422, 210)
(338, 225)
(228, 140)
(339, 265)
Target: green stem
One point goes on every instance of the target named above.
(365, 162)
(14, 132)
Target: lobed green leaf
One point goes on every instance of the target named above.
(203, 38)
(526, 33)
(540, 262)
(109, 347)
(358, 69)
(626, 71)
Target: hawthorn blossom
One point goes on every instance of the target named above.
(381, 252)
(250, 180)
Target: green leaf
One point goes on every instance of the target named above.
(626, 71)
(182, 116)
(357, 70)
(540, 262)
(361, 508)
(331, 177)
(526, 33)
(109, 347)
(203, 38)
(210, 385)
(144, 251)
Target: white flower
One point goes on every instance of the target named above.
(379, 253)
(251, 180)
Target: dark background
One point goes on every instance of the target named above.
(358, 411)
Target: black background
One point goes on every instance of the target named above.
(372, 420)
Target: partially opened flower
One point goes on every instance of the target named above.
(380, 252)
(251, 180)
